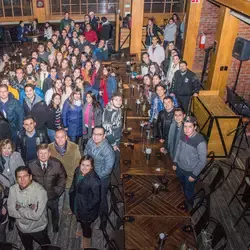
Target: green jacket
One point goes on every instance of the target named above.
(64, 22)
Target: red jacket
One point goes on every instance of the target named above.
(91, 36)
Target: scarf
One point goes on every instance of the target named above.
(61, 150)
(150, 30)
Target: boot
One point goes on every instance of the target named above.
(86, 242)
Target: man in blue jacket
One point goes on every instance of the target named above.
(190, 158)
(12, 111)
(100, 149)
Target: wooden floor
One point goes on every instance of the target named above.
(238, 238)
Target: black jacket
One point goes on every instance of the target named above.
(106, 31)
(53, 179)
(155, 30)
(86, 195)
(185, 85)
(41, 137)
(39, 111)
(5, 131)
(163, 123)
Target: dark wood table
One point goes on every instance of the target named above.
(147, 214)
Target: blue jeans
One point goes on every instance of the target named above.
(188, 187)
(51, 134)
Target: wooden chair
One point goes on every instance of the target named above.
(8, 246)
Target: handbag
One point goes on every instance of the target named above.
(204, 240)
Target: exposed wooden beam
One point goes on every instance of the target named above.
(225, 38)
(191, 31)
(242, 6)
(136, 27)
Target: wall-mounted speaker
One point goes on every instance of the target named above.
(241, 50)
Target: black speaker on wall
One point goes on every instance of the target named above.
(241, 50)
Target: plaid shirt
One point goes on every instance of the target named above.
(18, 85)
(157, 106)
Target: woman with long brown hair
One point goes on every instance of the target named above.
(56, 89)
(72, 115)
(108, 86)
(54, 120)
(85, 197)
(64, 69)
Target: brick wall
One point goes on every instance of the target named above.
(208, 22)
(243, 86)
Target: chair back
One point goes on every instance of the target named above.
(198, 200)
(218, 233)
(211, 155)
(48, 247)
(8, 246)
(205, 207)
(217, 180)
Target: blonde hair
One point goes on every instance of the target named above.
(4, 143)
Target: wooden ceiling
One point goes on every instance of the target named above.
(242, 6)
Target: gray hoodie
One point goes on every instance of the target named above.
(28, 220)
(191, 154)
(169, 32)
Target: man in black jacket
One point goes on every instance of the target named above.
(185, 85)
(12, 110)
(49, 81)
(50, 173)
(165, 118)
(35, 106)
(30, 139)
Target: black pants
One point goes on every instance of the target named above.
(41, 238)
(53, 206)
(104, 203)
(86, 229)
(3, 231)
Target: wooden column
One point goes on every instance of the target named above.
(39, 13)
(136, 29)
(117, 30)
(226, 33)
(191, 31)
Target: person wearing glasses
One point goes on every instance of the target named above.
(104, 157)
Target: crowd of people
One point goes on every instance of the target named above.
(61, 126)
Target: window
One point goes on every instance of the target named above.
(58, 7)
(15, 8)
(164, 6)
